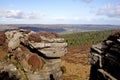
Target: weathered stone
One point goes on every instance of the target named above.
(34, 55)
(47, 39)
(10, 34)
(53, 52)
(25, 31)
(50, 69)
(51, 40)
(43, 76)
(107, 63)
(15, 41)
(47, 45)
(12, 69)
(39, 45)
(31, 32)
(118, 40)
(60, 45)
(108, 42)
(52, 64)
(98, 46)
(24, 39)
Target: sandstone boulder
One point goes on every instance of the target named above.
(15, 41)
(32, 55)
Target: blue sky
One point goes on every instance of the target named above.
(60, 12)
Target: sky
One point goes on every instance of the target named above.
(60, 12)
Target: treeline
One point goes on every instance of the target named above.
(86, 38)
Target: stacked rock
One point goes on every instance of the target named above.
(35, 55)
(105, 58)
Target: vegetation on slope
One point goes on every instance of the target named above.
(86, 38)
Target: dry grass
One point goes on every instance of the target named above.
(3, 54)
(49, 34)
(76, 64)
(34, 37)
(76, 71)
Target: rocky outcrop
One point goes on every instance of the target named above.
(33, 55)
(105, 59)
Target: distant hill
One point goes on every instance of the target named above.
(61, 28)
(47, 29)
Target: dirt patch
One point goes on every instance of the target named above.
(77, 66)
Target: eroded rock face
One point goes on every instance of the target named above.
(33, 55)
(105, 59)
(15, 41)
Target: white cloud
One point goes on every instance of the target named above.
(18, 14)
(110, 10)
(59, 18)
(84, 0)
(88, 1)
(80, 19)
(66, 18)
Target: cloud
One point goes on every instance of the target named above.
(66, 18)
(18, 14)
(88, 1)
(86, 19)
(110, 10)
(59, 18)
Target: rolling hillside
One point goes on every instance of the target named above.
(86, 38)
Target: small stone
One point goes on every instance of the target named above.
(109, 42)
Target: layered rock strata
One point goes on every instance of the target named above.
(105, 59)
(32, 55)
